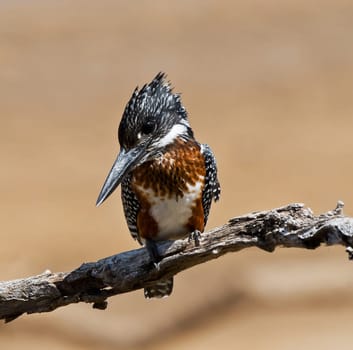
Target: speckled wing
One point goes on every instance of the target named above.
(131, 207)
(212, 189)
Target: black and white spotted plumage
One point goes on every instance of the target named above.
(212, 189)
(131, 207)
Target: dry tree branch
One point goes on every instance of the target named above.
(291, 226)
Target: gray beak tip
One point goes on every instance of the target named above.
(107, 189)
(99, 202)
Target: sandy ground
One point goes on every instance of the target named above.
(267, 84)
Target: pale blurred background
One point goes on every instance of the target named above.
(268, 84)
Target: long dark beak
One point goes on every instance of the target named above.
(122, 165)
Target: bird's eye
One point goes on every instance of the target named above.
(148, 127)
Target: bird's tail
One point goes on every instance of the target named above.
(160, 289)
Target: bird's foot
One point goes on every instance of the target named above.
(195, 236)
(152, 249)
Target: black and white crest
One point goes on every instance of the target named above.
(153, 99)
(154, 109)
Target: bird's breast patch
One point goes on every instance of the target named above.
(169, 189)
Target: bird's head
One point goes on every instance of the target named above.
(153, 118)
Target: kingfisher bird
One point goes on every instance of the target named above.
(168, 180)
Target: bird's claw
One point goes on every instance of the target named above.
(157, 265)
(195, 236)
(153, 253)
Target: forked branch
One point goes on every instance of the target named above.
(291, 226)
